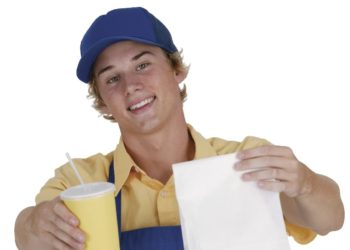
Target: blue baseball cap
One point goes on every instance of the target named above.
(134, 24)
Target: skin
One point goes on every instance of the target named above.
(140, 90)
(308, 199)
(48, 225)
(127, 73)
(158, 128)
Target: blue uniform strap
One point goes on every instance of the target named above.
(118, 199)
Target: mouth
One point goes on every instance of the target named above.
(141, 104)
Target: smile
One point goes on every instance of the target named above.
(141, 104)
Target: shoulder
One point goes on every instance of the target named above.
(223, 146)
(93, 168)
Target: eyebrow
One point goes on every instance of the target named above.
(104, 70)
(138, 56)
(141, 54)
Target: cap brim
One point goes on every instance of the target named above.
(87, 61)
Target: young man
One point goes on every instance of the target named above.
(134, 71)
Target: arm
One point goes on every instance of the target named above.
(320, 209)
(48, 225)
(308, 199)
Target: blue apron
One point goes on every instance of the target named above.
(152, 238)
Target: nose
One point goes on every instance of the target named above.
(133, 83)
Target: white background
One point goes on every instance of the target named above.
(272, 69)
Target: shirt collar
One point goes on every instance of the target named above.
(123, 163)
(203, 147)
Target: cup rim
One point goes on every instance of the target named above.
(88, 190)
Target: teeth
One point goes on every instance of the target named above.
(141, 104)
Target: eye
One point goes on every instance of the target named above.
(142, 66)
(113, 79)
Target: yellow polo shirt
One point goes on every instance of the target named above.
(147, 202)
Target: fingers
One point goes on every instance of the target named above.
(266, 162)
(268, 174)
(64, 239)
(273, 179)
(63, 212)
(54, 224)
(274, 186)
(66, 226)
(270, 150)
(53, 241)
(273, 168)
(71, 235)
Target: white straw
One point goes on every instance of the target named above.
(74, 168)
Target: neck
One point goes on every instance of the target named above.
(156, 152)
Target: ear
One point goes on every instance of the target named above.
(105, 110)
(180, 76)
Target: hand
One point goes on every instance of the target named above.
(55, 225)
(274, 168)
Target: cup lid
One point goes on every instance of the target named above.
(87, 190)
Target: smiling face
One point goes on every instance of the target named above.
(138, 86)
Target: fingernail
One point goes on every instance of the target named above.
(239, 155)
(73, 221)
(245, 177)
(81, 238)
(237, 166)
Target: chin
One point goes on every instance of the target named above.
(142, 128)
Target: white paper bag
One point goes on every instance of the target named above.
(219, 211)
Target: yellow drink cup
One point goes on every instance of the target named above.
(94, 205)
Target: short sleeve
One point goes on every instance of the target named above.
(222, 146)
(91, 169)
(300, 234)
